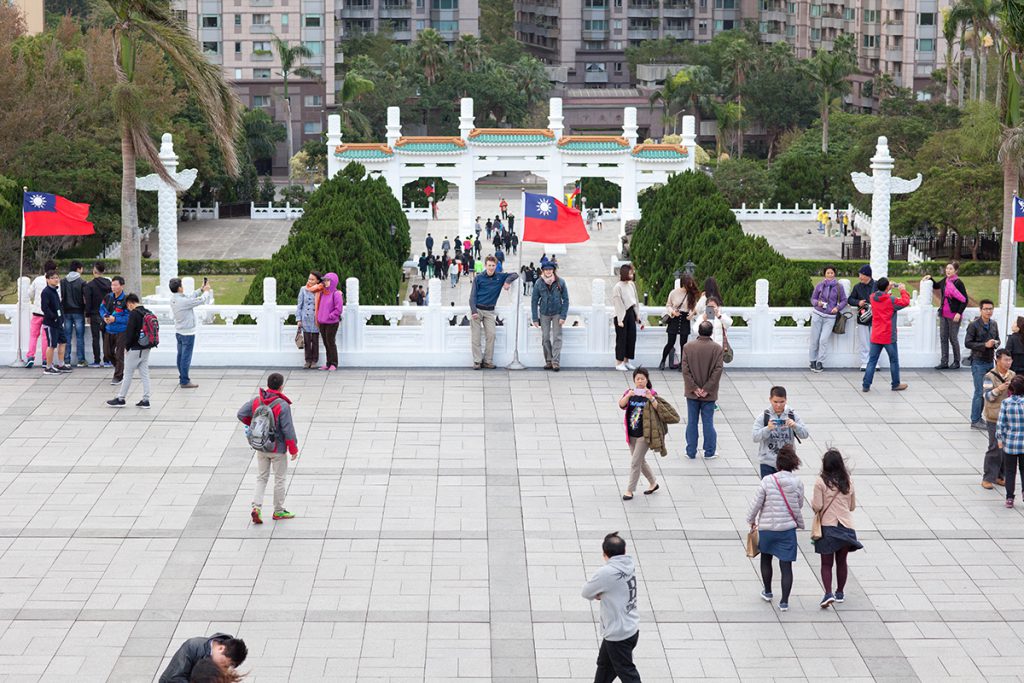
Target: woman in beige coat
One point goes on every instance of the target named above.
(835, 500)
(627, 317)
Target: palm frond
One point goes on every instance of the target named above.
(127, 101)
(305, 72)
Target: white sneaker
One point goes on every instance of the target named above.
(630, 366)
(622, 366)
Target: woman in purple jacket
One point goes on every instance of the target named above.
(827, 301)
(329, 307)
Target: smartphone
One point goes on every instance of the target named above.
(205, 280)
(639, 392)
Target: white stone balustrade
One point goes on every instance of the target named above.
(274, 213)
(200, 212)
(778, 213)
(421, 336)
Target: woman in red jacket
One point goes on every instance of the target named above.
(884, 305)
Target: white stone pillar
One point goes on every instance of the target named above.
(352, 323)
(467, 179)
(555, 118)
(689, 141)
(629, 209)
(762, 323)
(333, 141)
(268, 323)
(599, 325)
(394, 129)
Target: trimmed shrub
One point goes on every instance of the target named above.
(599, 191)
(187, 267)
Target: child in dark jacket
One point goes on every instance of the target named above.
(53, 325)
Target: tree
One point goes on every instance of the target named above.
(737, 59)
(431, 52)
(744, 181)
(730, 119)
(531, 79)
(497, 22)
(352, 120)
(1011, 152)
(829, 70)
(261, 134)
(150, 21)
(599, 191)
(468, 51)
(291, 57)
(779, 94)
(949, 32)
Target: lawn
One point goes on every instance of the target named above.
(978, 287)
(227, 289)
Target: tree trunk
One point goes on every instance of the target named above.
(983, 78)
(949, 75)
(739, 129)
(291, 148)
(999, 85)
(131, 257)
(974, 74)
(960, 80)
(824, 127)
(1011, 179)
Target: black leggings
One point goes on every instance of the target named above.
(681, 330)
(841, 570)
(787, 575)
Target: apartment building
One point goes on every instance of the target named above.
(237, 35)
(35, 17)
(584, 41)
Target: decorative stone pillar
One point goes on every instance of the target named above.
(167, 210)
(689, 141)
(333, 140)
(629, 209)
(599, 325)
(467, 176)
(555, 118)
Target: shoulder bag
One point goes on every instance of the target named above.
(839, 326)
(816, 525)
(727, 353)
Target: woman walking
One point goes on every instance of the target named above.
(1010, 436)
(775, 513)
(679, 307)
(645, 419)
(1015, 345)
(827, 300)
(305, 315)
(709, 307)
(835, 501)
(627, 307)
(328, 317)
(952, 304)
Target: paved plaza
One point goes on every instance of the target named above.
(447, 520)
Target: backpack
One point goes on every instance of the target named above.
(789, 414)
(262, 434)
(149, 335)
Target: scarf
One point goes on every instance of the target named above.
(317, 289)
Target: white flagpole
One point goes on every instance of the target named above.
(516, 364)
(1013, 279)
(21, 272)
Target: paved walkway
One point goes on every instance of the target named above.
(444, 531)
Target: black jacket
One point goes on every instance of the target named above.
(71, 294)
(94, 291)
(179, 670)
(50, 303)
(134, 328)
(1015, 345)
(861, 291)
(976, 337)
(954, 305)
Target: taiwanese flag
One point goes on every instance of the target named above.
(428, 190)
(50, 215)
(552, 222)
(1018, 219)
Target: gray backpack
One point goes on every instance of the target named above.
(262, 434)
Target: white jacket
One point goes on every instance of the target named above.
(700, 315)
(769, 507)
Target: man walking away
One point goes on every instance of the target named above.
(114, 311)
(982, 338)
(183, 307)
(95, 290)
(483, 297)
(53, 326)
(860, 297)
(271, 433)
(429, 242)
(549, 307)
(227, 652)
(614, 586)
(994, 389)
(142, 335)
(702, 372)
(446, 246)
(72, 299)
(884, 307)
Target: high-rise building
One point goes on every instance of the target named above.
(238, 36)
(583, 42)
(35, 17)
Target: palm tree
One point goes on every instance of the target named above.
(697, 90)
(669, 94)
(291, 57)
(949, 32)
(531, 79)
(469, 51)
(884, 86)
(261, 134)
(730, 119)
(136, 21)
(352, 87)
(830, 71)
(1011, 152)
(431, 51)
(976, 19)
(736, 59)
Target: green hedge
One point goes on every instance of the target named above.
(187, 267)
(815, 267)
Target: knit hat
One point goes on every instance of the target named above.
(548, 265)
(865, 270)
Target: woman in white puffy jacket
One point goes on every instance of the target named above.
(709, 307)
(776, 513)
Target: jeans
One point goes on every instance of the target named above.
(892, 352)
(705, 411)
(1011, 463)
(949, 336)
(186, 342)
(96, 330)
(74, 322)
(615, 660)
(979, 368)
(821, 331)
(766, 470)
(992, 469)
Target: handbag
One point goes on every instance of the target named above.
(752, 543)
(727, 353)
(816, 525)
(864, 315)
(839, 326)
(300, 342)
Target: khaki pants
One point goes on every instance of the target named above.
(484, 323)
(280, 463)
(638, 462)
(551, 337)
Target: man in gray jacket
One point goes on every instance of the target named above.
(226, 651)
(614, 585)
(549, 307)
(777, 426)
(183, 307)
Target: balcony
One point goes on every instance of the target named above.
(893, 4)
(774, 15)
(643, 33)
(595, 77)
(894, 54)
(537, 29)
(595, 35)
(833, 21)
(397, 11)
(679, 33)
(262, 56)
(261, 28)
(643, 11)
(358, 12)
(548, 8)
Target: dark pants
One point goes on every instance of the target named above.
(705, 411)
(992, 469)
(842, 570)
(892, 351)
(74, 322)
(625, 336)
(113, 345)
(676, 329)
(329, 332)
(99, 352)
(766, 470)
(949, 336)
(1011, 463)
(787, 575)
(186, 344)
(979, 368)
(311, 346)
(615, 660)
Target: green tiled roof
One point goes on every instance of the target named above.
(362, 154)
(497, 139)
(609, 146)
(430, 147)
(660, 154)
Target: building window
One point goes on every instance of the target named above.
(311, 21)
(595, 67)
(261, 100)
(724, 25)
(617, 24)
(419, 4)
(261, 47)
(284, 21)
(446, 26)
(790, 31)
(211, 21)
(421, 24)
(702, 27)
(593, 45)
(311, 128)
(791, 8)
(238, 21)
(238, 47)
(850, 14)
(261, 73)
(180, 16)
(618, 67)
(595, 4)
(261, 20)
(815, 35)
(925, 45)
(870, 16)
(316, 47)
(238, 74)
(313, 101)
(211, 47)
(815, 10)
(870, 41)
(926, 19)
(595, 25)
(445, 4)
(725, 4)
(318, 71)
(762, 27)
(617, 45)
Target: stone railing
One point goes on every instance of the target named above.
(421, 336)
(421, 213)
(271, 212)
(796, 213)
(199, 212)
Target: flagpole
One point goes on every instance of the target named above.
(515, 364)
(1011, 303)
(21, 273)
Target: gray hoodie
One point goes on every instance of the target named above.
(769, 440)
(183, 307)
(615, 583)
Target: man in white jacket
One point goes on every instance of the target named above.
(183, 307)
(614, 585)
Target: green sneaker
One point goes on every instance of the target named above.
(283, 514)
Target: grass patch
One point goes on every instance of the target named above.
(228, 289)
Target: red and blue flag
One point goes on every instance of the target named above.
(50, 215)
(551, 222)
(1018, 219)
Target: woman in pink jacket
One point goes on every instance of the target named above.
(329, 305)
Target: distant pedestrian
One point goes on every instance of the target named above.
(114, 311)
(500, 255)
(183, 308)
(1010, 436)
(776, 514)
(884, 307)
(709, 307)
(982, 339)
(422, 263)
(477, 246)
(952, 304)
(503, 205)
(72, 298)
(270, 432)
(995, 389)
(490, 229)
(36, 290)
(549, 307)
(860, 297)
(834, 499)
(702, 372)
(476, 225)
(431, 265)
(305, 316)
(626, 304)
(646, 417)
(329, 309)
(429, 242)
(827, 301)
(467, 245)
(483, 297)
(141, 337)
(446, 245)
(95, 290)
(614, 585)
(227, 652)
(1015, 345)
(600, 221)
(679, 309)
